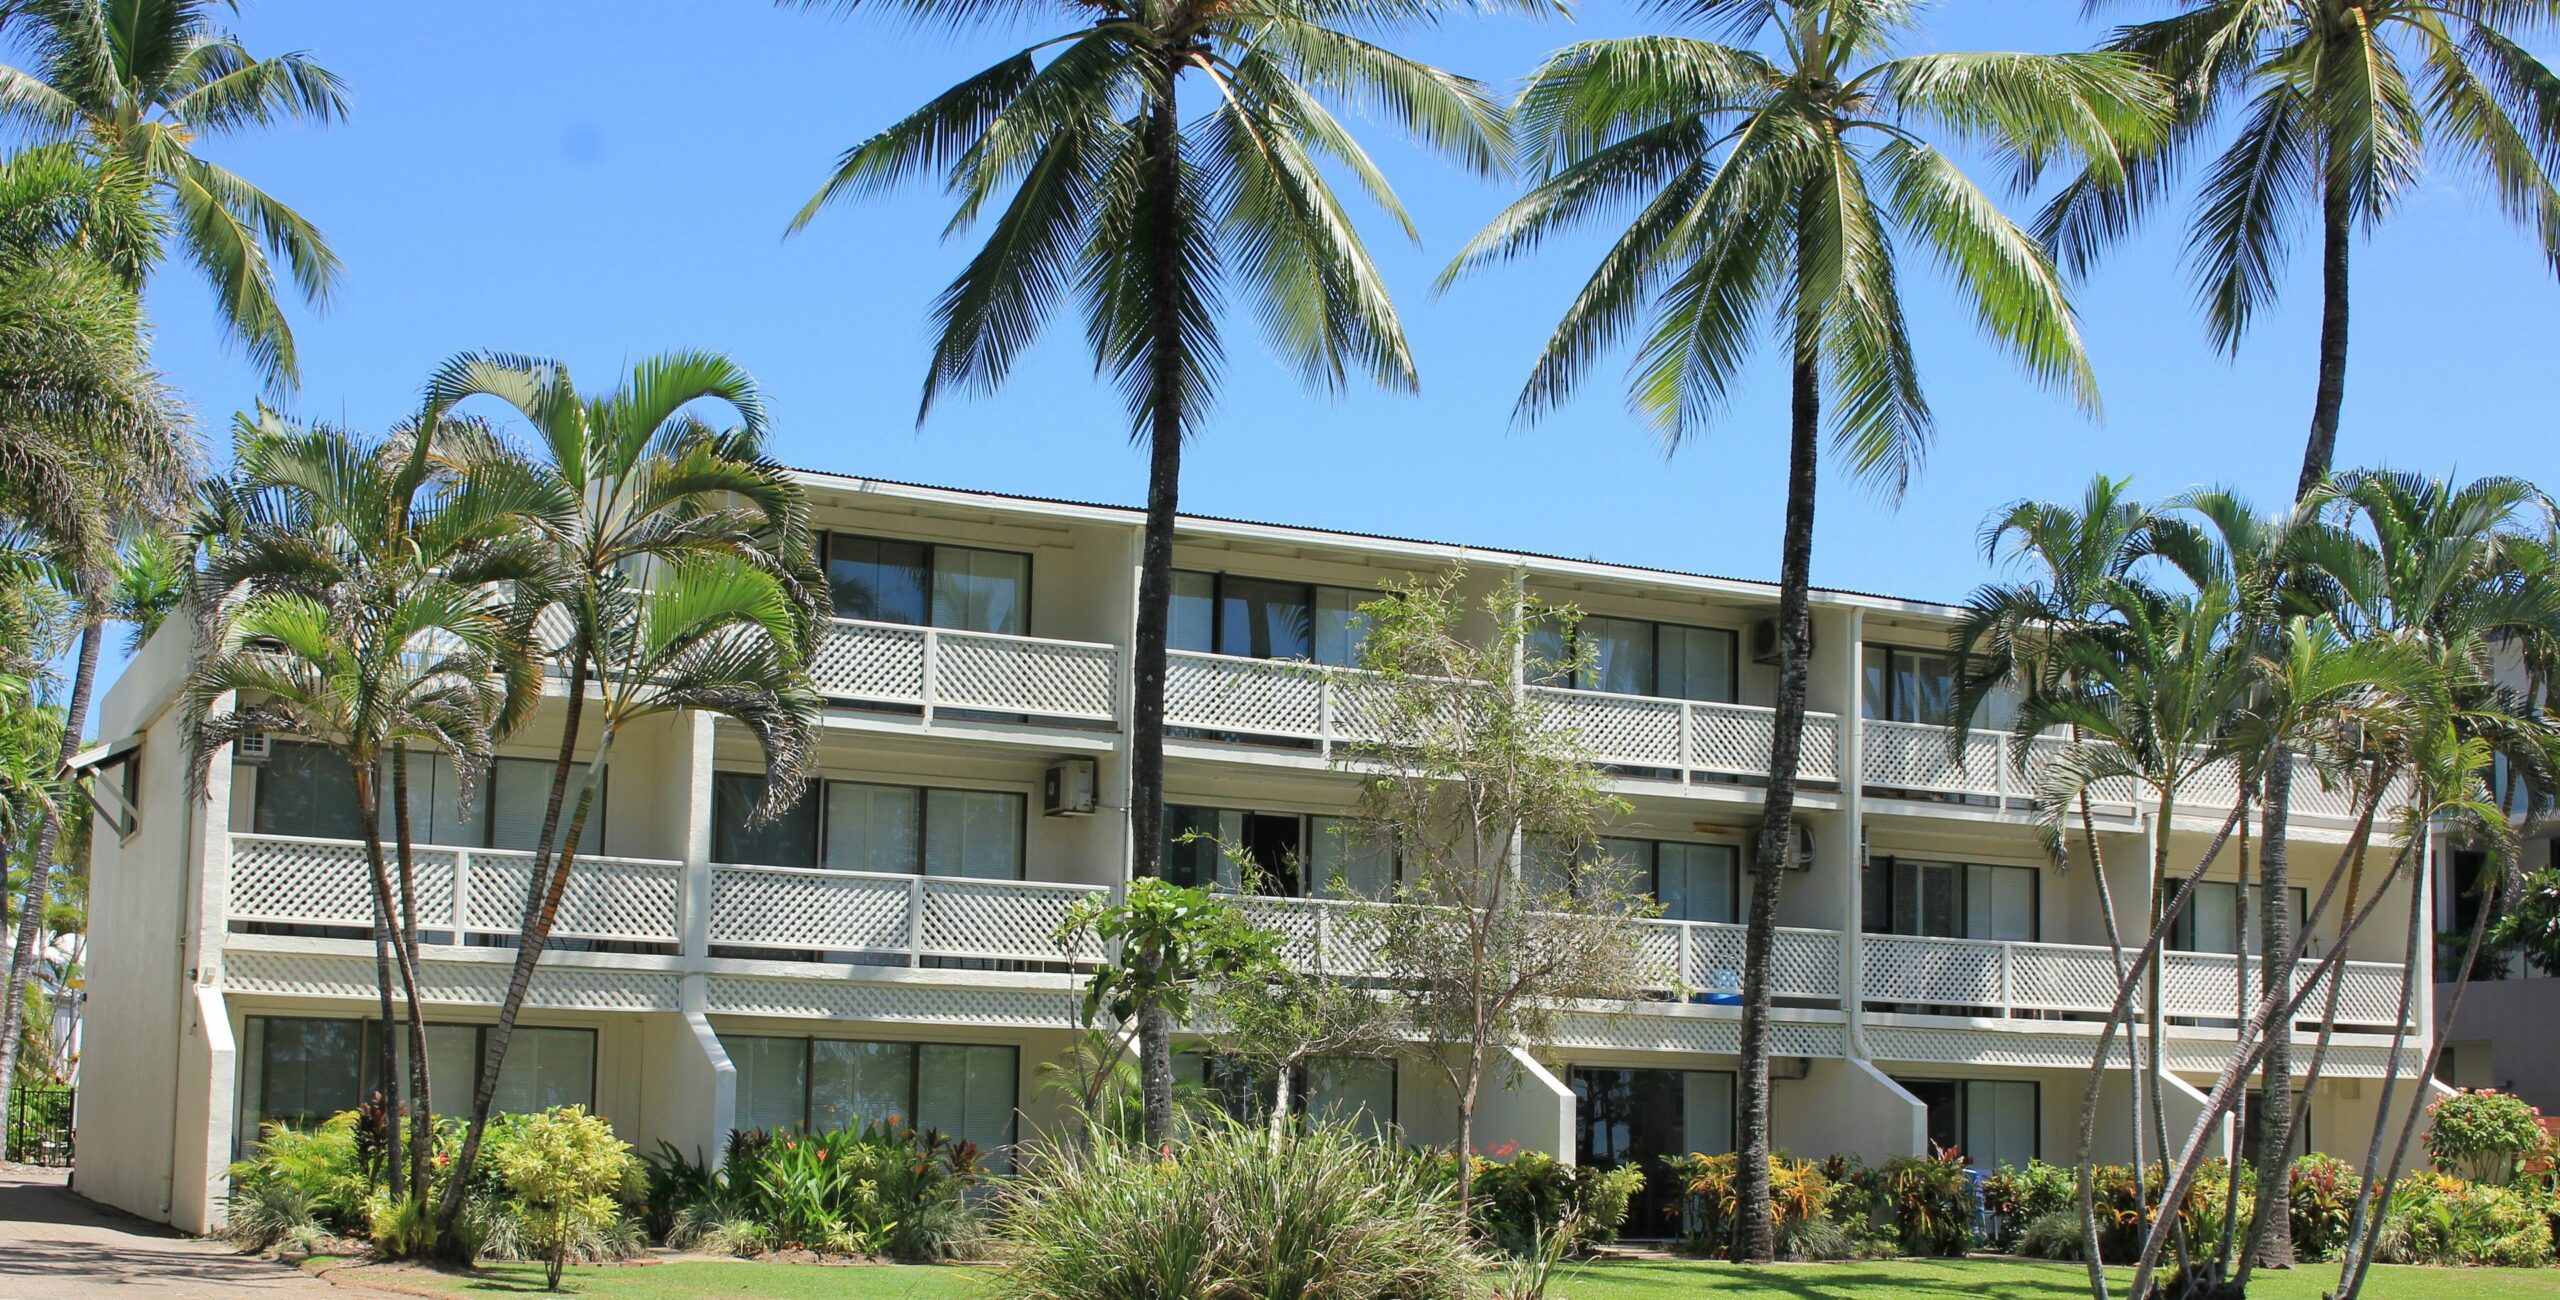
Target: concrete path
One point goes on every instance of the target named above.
(56, 1246)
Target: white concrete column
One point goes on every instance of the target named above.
(1848, 1106)
(694, 770)
(1524, 1102)
(690, 1094)
(1853, 828)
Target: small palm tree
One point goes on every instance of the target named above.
(133, 86)
(1771, 185)
(2327, 109)
(369, 603)
(680, 577)
(1106, 194)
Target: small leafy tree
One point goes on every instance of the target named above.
(1276, 1020)
(1167, 940)
(1470, 779)
(2484, 1136)
(564, 1170)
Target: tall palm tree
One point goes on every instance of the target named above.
(1771, 187)
(680, 577)
(367, 603)
(2329, 109)
(1108, 194)
(134, 85)
(91, 440)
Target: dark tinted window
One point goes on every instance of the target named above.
(789, 840)
(875, 579)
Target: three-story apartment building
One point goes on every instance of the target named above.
(887, 947)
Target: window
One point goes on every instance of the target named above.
(1994, 1122)
(1907, 685)
(924, 584)
(1949, 900)
(1265, 618)
(1638, 1117)
(1631, 657)
(299, 1071)
(1692, 882)
(307, 789)
(2211, 921)
(1360, 1091)
(1297, 856)
(861, 826)
(963, 1090)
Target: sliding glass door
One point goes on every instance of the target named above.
(1637, 1117)
(926, 584)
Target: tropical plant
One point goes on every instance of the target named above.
(1151, 221)
(1274, 1020)
(1523, 1203)
(2484, 1136)
(565, 1171)
(679, 573)
(2326, 109)
(1324, 1213)
(1770, 187)
(134, 87)
(151, 575)
(369, 604)
(2320, 1201)
(1167, 941)
(1501, 920)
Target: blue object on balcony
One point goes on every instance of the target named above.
(1724, 989)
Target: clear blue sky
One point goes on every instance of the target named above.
(600, 181)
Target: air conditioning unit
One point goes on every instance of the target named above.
(1067, 788)
(1803, 858)
(1764, 641)
(253, 747)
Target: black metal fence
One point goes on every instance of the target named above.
(40, 1124)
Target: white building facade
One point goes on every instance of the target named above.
(887, 948)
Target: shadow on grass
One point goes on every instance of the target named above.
(1643, 1280)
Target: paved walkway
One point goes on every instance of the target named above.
(56, 1246)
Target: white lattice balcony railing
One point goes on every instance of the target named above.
(2005, 978)
(802, 910)
(291, 880)
(932, 668)
(1690, 736)
(1705, 957)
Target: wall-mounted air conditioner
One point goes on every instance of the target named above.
(1066, 790)
(1764, 641)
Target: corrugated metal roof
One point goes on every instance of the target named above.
(1136, 512)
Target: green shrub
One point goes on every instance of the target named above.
(2053, 1234)
(1822, 1209)
(2439, 1219)
(2321, 1199)
(298, 1186)
(1519, 1201)
(565, 1173)
(874, 1189)
(1929, 1201)
(2484, 1136)
(1320, 1213)
(2015, 1198)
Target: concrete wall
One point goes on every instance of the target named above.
(1846, 1107)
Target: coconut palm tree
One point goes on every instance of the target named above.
(91, 440)
(368, 603)
(1149, 219)
(681, 578)
(2329, 109)
(1771, 187)
(133, 86)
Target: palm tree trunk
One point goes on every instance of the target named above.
(541, 910)
(1755, 1227)
(2337, 228)
(387, 1062)
(1155, 570)
(22, 953)
(422, 1119)
(2273, 1233)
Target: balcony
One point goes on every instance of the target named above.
(1340, 937)
(1987, 977)
(462, 892)
(911, 917)
(1288, 699)
(935, 670)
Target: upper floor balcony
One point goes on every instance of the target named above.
(816, 916)
(936, 671)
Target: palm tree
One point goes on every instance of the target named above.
(1770, 188)
(1109, 196)
(91, 440)
(2331, 107)
(367, 603)
(132, 86)
(681, 578)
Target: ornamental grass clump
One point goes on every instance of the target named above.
(1319, 1212)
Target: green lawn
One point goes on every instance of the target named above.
(1970, 1280)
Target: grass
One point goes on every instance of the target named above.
(1630, 1280)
